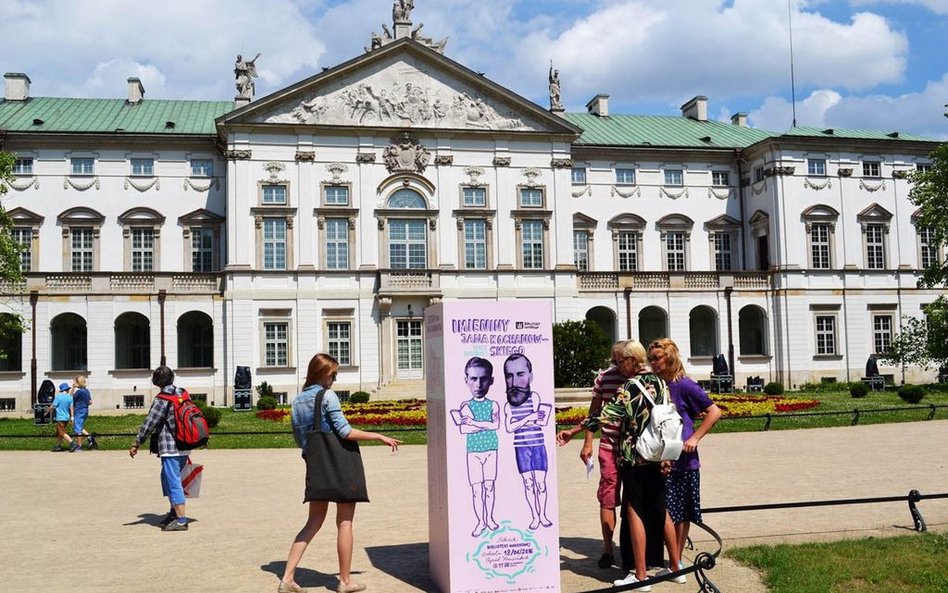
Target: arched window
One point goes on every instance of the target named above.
(132, 341)
(605, 319)
(653, 324)
(703, 328)
(752, 322)
(11, 343)
(68, 336)
(407, 237)
(195, 340)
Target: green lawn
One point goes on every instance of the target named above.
(268, 434)
(841, 401)
(906, 564)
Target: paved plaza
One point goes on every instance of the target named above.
(84, 523)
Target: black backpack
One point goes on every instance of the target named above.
(46, 392)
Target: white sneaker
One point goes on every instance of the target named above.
(680, 579)
(629, 580)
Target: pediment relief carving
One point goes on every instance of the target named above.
(874, 212)
(631, 221)
(401, 94)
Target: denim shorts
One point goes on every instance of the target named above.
(79, 420)
(171, 478)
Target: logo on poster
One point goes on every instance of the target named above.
(527, 325)
(507, 553)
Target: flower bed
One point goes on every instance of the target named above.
(413, 412)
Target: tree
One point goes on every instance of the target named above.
(580, 349)
(922, 341)
(9, 250)
(930, 194)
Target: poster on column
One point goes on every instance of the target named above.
(493, 516)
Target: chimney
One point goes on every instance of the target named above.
(136, 92)
(599, 105)
(16, 86)
(739, 119)
(696, 109)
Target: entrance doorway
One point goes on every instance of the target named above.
(410, 349)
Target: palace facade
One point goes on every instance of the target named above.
(328, 215)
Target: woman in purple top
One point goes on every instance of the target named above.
(683, 484)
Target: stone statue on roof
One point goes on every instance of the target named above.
(555, 103)
(245, 71)
(401, 10)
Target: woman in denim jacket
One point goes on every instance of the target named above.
(319, 378)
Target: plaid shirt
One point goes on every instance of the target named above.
(159, 423)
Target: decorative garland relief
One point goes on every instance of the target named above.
(871, 188)
(201, 188)
(674, 195)
(67, 182)
(33, 182)
(143, 187)
(615, 191)
(827, 183)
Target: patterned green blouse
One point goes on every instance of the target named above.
(631, 411)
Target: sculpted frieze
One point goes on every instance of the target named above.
(401, 98)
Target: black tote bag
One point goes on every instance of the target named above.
(334, 469)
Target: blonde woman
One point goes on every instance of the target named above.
(320, 376)
(81, 401)
(683, 484)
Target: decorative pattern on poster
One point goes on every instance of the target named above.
(499, 395)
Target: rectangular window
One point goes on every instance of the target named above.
(628, 251)
(274, 244)
(875, 247)
(23, 166)
(202, 168)
(24, 238)
(871, 169)
(825, 335)
(408, 244)
(674, 177)
(531, 232)
(722, 252)
(881, 333)
(581, 250)
(475, 197)
(475, 244)
(816, 167)
(578, 175)
(675, 251)
(274, 194)
(928, 249)
(143, 250)
(337, 244)
(81, 253)
(276, 344)
(143, 167)
(720, 178)
(625, 176)
(531, 197)
(923, 167)
(337, 195)
(82, 166)
(202, 250)
(758, 174)
(340, 341)
(820, 246)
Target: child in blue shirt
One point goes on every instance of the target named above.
(62, 408)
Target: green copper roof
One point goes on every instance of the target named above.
(662, 131)
(102, 116)
(854, 134)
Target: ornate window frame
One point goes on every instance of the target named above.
(627, 223)
(288, 215)
(820, 214)
(875, 215)
(281, 317)
(919, 247)
(821, 314)
(543, 197)
(347, 316)
(585, 224)
(426, 190)
(75, 218)
(723, 225)
(675, 224)
(26, 219)
(141, 217)
(201, 218)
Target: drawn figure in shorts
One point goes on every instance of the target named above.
(480, 419)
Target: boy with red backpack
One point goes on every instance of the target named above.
(175, 426)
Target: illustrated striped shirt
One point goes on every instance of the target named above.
(529, 435)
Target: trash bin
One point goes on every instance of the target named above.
(243, 399)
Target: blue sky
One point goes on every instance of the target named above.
(874, 64)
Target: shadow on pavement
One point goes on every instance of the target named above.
(152, 520)
(588, 551)
(407, 563)
(304, 576)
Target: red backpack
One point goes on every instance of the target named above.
(191, 430)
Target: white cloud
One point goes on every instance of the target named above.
(68, 48)
(936, 6)
(920, 113)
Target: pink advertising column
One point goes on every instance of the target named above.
(492, 504)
